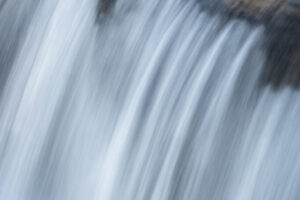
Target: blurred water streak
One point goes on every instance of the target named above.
(156, 100)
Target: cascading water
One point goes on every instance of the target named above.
(154, 100)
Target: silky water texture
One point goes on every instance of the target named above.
(153, 100)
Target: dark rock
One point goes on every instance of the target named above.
(282, 21)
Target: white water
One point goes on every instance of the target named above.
(157, 100)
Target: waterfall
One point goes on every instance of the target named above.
(153, 100)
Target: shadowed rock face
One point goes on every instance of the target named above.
(256, 8)
(261, 9)
(282, 21)
(283, 59)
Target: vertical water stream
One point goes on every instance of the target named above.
(154, 100)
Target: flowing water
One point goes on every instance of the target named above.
(153, 100)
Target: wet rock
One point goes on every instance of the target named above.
(264, 9)
(282, 21)
(258, 9)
